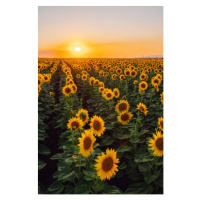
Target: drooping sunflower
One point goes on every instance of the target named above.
(124, 117)
(143, 85)
(67, 90)
(122, 106)
(160, 123)
(109, 94)
(106, 164)
(156, 144)
(142, 108)
(83, 115)
(75, 123)
(116, 92)
(97, 126)
(86, 143)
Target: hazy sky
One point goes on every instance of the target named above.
(100, 31)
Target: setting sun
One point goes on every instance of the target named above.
(77, 49)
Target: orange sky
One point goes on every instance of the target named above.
(100, 32)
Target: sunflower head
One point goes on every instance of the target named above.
(75, 124)
(142, 108)
(122, 77)
(133, 73)
(143, 85)
(114, 76)
(160, 123)
(106, 164)
(83, 115)
(116, 92)
(135, 82)
(67, 90)
(124, 117)
(156, 144)
(109, 94)
(97, 126)
(86, 143)
(122, 106)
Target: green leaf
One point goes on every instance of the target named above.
(143, 167)
(69, 177)
(123, 148)
(123, 166)
(57, 156)
(88, 178)
(42, 149)
(111, 189)
(41, 164)
(56, 187)
(81, 189)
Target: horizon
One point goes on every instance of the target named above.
(100, 32)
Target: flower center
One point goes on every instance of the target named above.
(159, 143)
(75, 125)
(67, 90)
(87, 143)
(122, 106)
(125, 117)
(83, 116)
(97, 125)
(108, 95)
(107, 164)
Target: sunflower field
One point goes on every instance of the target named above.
(100, 126)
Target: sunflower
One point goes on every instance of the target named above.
(86, 142)
(67, 90)
(122, 77)
(155, 81)
(135, 82)
(122, 106)
(116, 92)
(109, 94)
(101, 89)
(47, 78)
(101, 84)
(91, 80)
(142, 108)
(119, 71)
(74, 87)
(161, 97)
(160, 123)
(83, 115)
(78, 76)
(143, 77)
(75, 123)
(124, 117)
(127, 72)
(97, 125)
(40, 81)
(114, 76)
(143, 85)
(39, 88)
(84, 77)
(156, 144)
(96, 82)
(106, 164)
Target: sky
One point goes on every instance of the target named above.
(100, 32)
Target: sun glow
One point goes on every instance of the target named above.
(77, 49)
